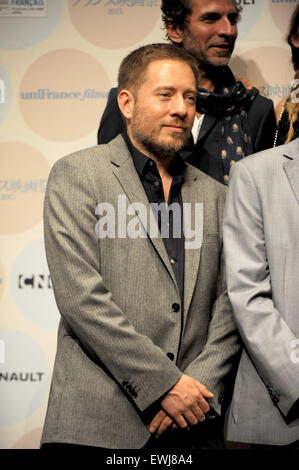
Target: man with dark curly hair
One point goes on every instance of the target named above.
(231, 120)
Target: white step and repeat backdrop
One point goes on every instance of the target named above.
(58, 60)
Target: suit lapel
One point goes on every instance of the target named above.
(125, 172)
(291, 166)
(192, 193)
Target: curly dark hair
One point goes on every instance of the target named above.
(176, 12)
(293, 31)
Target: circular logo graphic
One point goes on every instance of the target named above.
(281, 13)
(63, 94)
(5, 93)
(114, 24)
(1, 281)
(23, 178)
(23, 24)
(24, 376)
(251, 11)
(32, 289)
(259, 66)
(31, 440)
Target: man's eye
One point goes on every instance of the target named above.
(211, 18)
(165, 95)
(191, 99)
(233, 19)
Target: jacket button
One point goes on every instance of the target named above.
(221, 396)
(171, 356)
(275, 399)
(175, 307)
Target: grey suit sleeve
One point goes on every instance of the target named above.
(216, 365)
(265, 333)
(85, 304)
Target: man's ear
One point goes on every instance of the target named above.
(175, 33)
(295, 40)
(126, 103)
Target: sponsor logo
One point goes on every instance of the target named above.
(38, 281)
(44, 94)
(251, 11)
(5, 90)
(2, 352)
(275, 91)
(24, 376)
(115, 7)
(21, 376)
(284, 1)
(27, 3)
(2, 92)
(245, 2)
(23, 8)
(119, 3)
(31, 286)
(10, 188)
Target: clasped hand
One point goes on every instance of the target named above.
(183, 406)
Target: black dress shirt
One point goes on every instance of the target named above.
(152, 183)
(170, 226)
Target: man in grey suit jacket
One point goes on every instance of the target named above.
(261, 241)
(146, 339)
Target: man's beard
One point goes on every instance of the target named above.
(149, 143)
(160, 151)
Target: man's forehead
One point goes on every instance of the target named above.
(213, 5)
(161, 72)
(162, 66)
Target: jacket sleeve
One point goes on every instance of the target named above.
(85, 304)
(262, 121)
(217, 363)
(112, 122)
(265, 333)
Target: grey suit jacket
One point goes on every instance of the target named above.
(261, 240)
(120, 304)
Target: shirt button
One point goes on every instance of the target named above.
(157, 183)
(172, 261)
(171, 356)
(151, 162)
(175, 307)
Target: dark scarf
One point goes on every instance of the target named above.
(229, 102)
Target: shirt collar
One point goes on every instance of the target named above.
(143, 163)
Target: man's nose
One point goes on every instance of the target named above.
(179, 106)
(226, 28)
